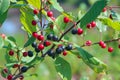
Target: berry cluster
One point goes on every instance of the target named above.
(91, 25)
(78, 31)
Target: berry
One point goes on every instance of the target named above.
(79, 31)
(34, 34)
(103, 46)
(37, 50)
(51, 26)
(110, 16)
(21, 77)
(11, 52)
(25, 54)
(110, 49)
(74, 31)
(69, 47)
(64, 53)
(3, 36)
(5, 70)
(63, 48)
(49, 37)
(9, 77)
(93, 24)
(50, 14)
(30, 53)
(47, 43)
(66, 19)
(40, 37)
(55, 38)
(24, 69)
(53, 18)
(119, 46)
(34, 22)
(50, 53)
(88, 43)
(89, 26)
(104, 9)
(35, 11)
(58, 50)
(34, 44)
(15, 65)
(40, 46)
(101, 43)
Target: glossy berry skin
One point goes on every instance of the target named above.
(25, 54)
(89, 26)
(35, 11)
(66, 20)
(40, 37)
(40, 46)
(88, 43)
(59, 50)
(50, 14)
(55, 38)
(50, 36)
(103, 46)
(9, 77)
(69, 47)
(74, 31)
(30, 53)
(24, 69)
(15, 65)
(50, 53)
(93, 24)
(34, 44)
(47, 43)
(34, 22)
(79, 31)
(101, 43)
(110, 49)
(64, 53)
(34, 34)
(104, 9)
(37, 50)
(11, 52)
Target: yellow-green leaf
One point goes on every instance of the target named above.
(35, 3)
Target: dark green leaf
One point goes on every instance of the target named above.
(11, 39)
(93, 13)
(1, 42)
(63, 68)
(97, 65)
(18, 4)
(30, 41)
(3, 17)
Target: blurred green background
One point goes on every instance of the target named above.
(80, 71)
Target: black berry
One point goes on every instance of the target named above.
(69, 47)
(74, 31)
(55, 38)
(50, 53)
(30, 53)
(24, 69)
(49, 37)
(59, 50)
(37, 50)
(34, 44)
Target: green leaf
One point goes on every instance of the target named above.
(18, 4)
(35, 3)
(4, 5)
(30, 41)
(1, 42)
(11, 41)
(95, 64)
(26, 19)
(93, 13)
(63, 68)
(56, 5)
(110, 23)
(3, 17)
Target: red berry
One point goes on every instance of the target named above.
(9, 77)
(3, 36)
(15, 65)
(40, 37)
(50, 14)
(51, 26)
(47, 43)
(103, 45)
(53, 18)
(40, 46)
(11, 52)
(88, 43)
(25, 54)
(64, 53)
(5, 70)
(110, 49)
(66, 19)
(34, 22)
(34, 34)
(89, 26)
(79, 31)
(104, 9)
(21, 77)
(35, 11)
(93, 24)
(119, 46)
